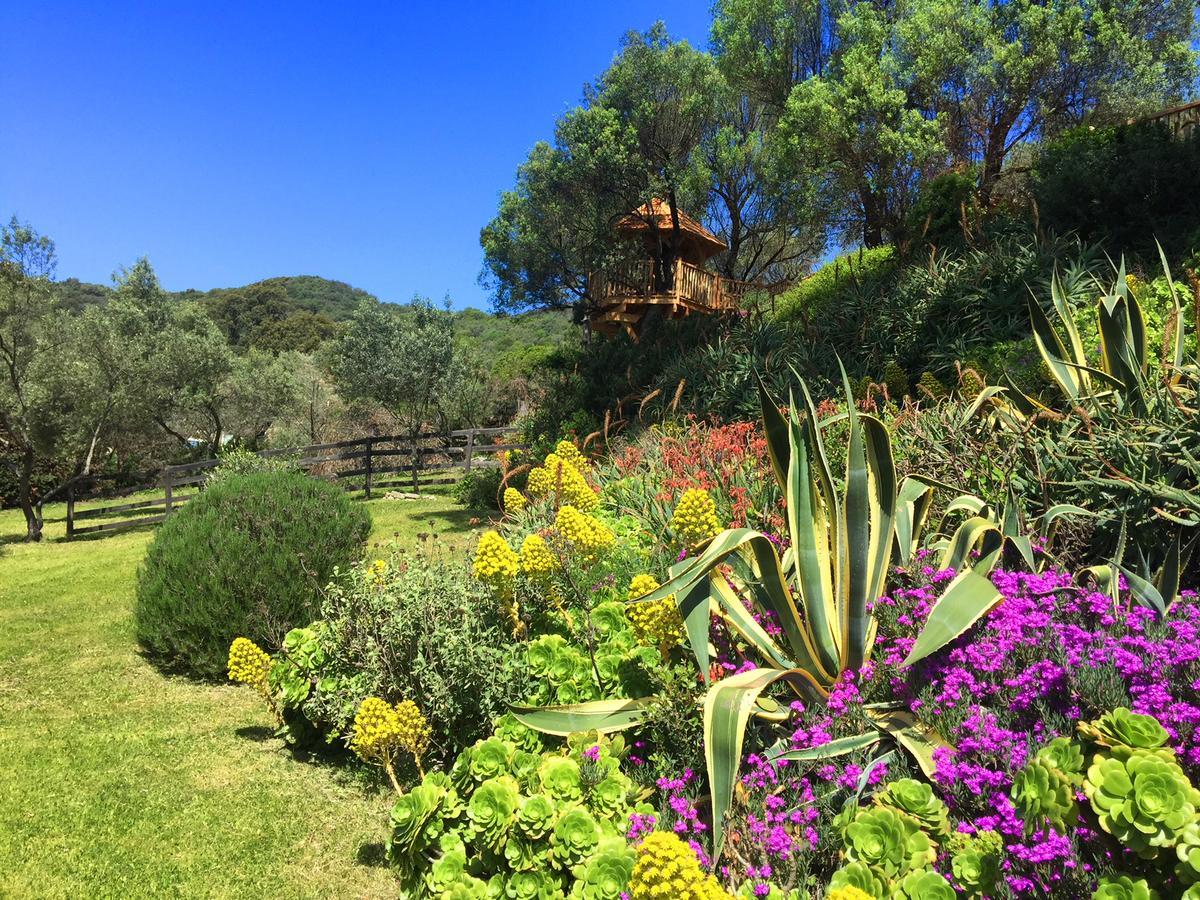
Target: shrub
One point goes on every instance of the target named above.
(862, 270)
(239, 461)
(1125, 184)
(416, 629)
(946, 206)
(478, 489)
(247, 558)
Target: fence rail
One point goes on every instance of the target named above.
(368, 463)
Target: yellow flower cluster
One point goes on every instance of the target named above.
(667, 869)
(412, 729)
(514, 500)
(586, 534)
(570, 454)
(495, 561)
(562, 475)
(377, 570)
(849, 892)
(655, 624)
(248, 663)
(537, 560)
(1134, 284)
(695, 518)
(376, 729)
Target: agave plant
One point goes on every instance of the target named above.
(820, 591)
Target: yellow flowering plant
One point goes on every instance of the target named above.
(249, 664)
(496, 565)
(658, 623)
(695, 519)
(380, 730)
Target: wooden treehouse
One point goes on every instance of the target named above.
(670, 282)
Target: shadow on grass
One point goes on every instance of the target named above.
(256, 733)
(373, 855)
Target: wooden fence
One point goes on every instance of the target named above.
(368, 463)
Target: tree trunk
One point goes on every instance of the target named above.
(33, 520)
(993, 156)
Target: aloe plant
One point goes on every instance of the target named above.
(820, 591)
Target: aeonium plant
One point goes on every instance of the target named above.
(820, 591)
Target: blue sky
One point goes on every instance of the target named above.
(233, 142)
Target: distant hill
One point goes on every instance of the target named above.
(334, 299)
(301, 311)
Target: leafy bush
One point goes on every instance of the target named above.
(416, 628)
(478, 489)
(1127, 185)
(862, 271)
(247, 558)
(945, 207)
(239, 461)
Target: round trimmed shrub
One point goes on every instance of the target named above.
(247, 558)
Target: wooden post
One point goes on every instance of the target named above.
(367, 479)
(470, 451)
(167, 486)
(70, 512)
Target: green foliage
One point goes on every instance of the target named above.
(527, 823)
(415, 628)
(1127, 185)
(887, 842)
(479, 489)
(822, 293)
(916, 800)
(239, 461)
(248, 557)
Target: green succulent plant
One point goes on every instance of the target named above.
(1141, 799)
(916, 799)
(507, 728)
(535, 818)
(609, 796)
(1122, 729)
(1063, 754)
(575, 836)
(605, 874)
(1044, 795)
(492, 809)
(1122, 887)
(422, 816)
(541, 653)
(533, 885)
(1188, 850)
(924, 885)
(490, 758)
(889, 842)
(859, 875)
(447, 870)
(524, 767)
(559, 777)
(975, 861)
(1192, 893)
(609, 617)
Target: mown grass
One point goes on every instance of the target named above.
(116, 781)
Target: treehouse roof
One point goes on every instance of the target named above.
(657, 214)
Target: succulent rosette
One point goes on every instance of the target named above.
(857, 876)
(1065, 755)
(560, 778)
(1141, 799)
(605, 874)
(575, 836)
(447, 870)
(524, 767)
(1044, 796)
(975, 861)
(541, 652)
(422, 816)
(535, 818)
(924, 885)
(889, 842)
(537, 884)
(492, 809)
(508, 728)
(1188, 851)
(467, 888)
(609, 617)
(522, 854)
(490, 758)
(1122, 887)
(1123, 729)
(608, 798)
(916, 799)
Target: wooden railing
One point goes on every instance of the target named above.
(1180, 120)
(690, 284)
(367, 463)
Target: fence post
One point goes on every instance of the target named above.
(168, 484)
(367, 478)
(70, 511)
(470, 451)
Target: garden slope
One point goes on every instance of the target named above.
(134, 784)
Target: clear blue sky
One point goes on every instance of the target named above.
(234, 142)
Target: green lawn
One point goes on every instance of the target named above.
(116, 781)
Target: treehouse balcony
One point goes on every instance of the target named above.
(623, 296)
